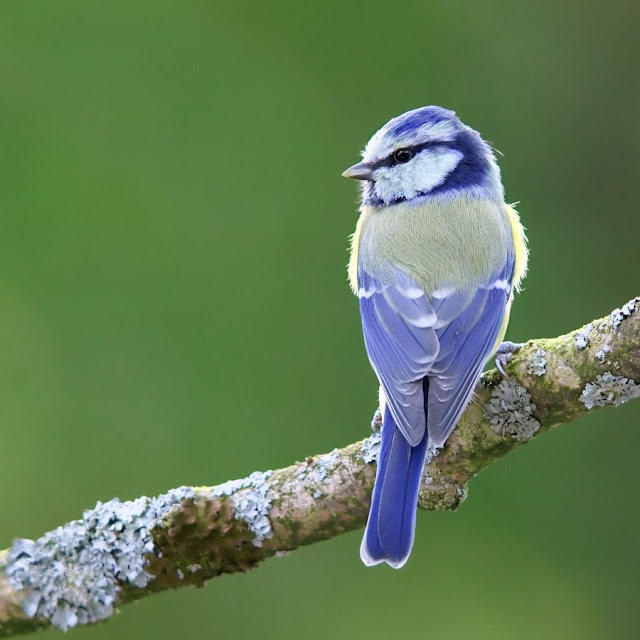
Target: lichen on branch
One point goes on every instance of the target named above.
(119, 551)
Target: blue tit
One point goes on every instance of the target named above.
(435, 259)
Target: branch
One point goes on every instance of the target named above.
(123, 551)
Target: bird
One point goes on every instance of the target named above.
(435, 260)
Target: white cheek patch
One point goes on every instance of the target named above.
(426, 171)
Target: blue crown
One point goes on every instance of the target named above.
(413, 120)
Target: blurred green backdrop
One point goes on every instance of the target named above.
(173, 304)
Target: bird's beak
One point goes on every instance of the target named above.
(360, 171)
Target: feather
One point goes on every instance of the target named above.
(391, 524)
(434, 260)
(407, 340)
(428, 353)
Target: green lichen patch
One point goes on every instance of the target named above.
(617, 316)
(510, 411)
(200, 540)
(74, 575)
(471, 447)
(537, 363)
(252, 498)
(442, 494)
(609, 389)
(581, 337)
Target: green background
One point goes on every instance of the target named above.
(173, 304)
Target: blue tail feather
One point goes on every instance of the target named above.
(392, 517)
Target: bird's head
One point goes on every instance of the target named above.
(424, 152)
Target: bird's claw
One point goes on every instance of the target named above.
(504, 354)
(376, 422)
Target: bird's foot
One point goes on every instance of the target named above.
(504, 354)
(376, 423)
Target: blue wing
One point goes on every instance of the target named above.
(398, 325)
(447, 337)
(428, 353)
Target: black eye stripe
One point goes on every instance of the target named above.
(390, 161)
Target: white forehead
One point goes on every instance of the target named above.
(384, 141)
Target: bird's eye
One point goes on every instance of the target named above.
(400, 156)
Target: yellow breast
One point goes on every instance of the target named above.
(516, 230)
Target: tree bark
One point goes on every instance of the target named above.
(121, 551)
